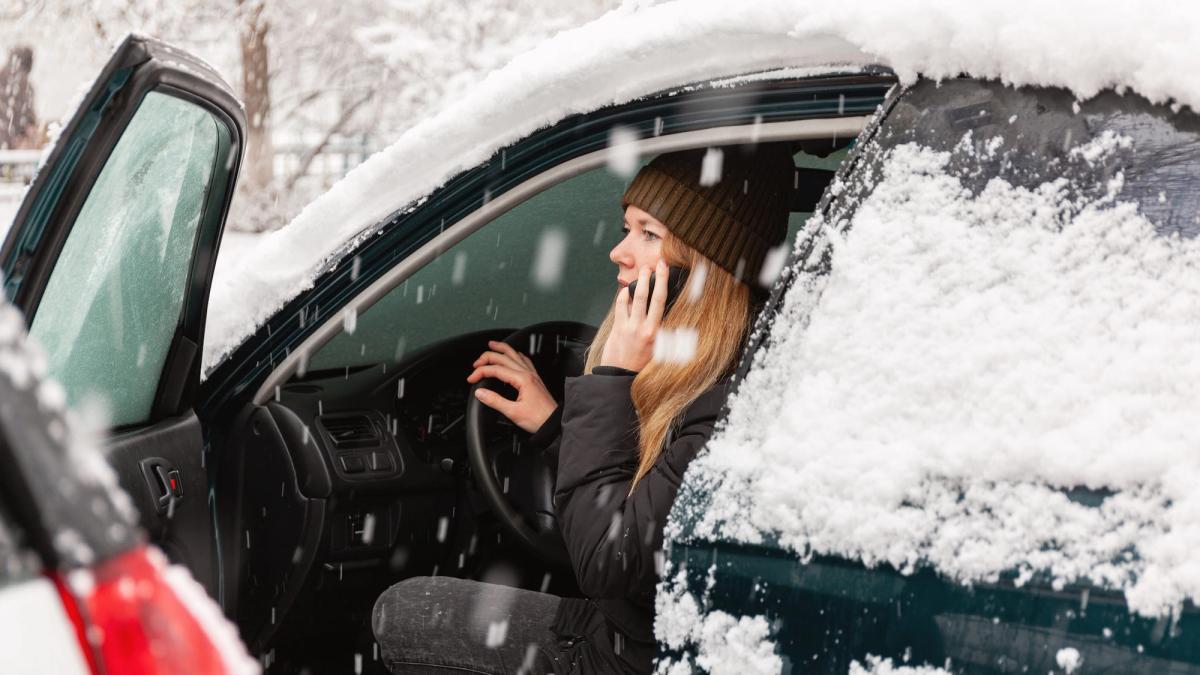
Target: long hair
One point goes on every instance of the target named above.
(720, 312)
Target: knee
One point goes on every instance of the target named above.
(408, 612)
(395, 606)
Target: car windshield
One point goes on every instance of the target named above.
(985, 356)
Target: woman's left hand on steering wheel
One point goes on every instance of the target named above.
(533, 405)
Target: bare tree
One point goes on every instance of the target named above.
(259, 169)
(316, 73)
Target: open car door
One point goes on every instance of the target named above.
(111, 258)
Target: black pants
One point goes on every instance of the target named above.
(444, 625)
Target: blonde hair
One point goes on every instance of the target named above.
(720, 314)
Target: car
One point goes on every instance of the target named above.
(327, 456)
(81, 591)
(325, 447)
(983, 205)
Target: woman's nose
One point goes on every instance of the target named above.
(620, 255)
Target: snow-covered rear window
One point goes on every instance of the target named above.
(987, 358)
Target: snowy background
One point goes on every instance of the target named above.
(328, 85)
(342, 79)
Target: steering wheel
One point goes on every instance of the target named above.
(515, 478)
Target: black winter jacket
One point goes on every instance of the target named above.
(614, 538)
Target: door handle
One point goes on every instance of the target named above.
(164, 482)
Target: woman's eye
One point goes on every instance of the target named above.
(648, 235)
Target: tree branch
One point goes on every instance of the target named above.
(317, 149)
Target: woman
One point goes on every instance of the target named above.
(623, 436)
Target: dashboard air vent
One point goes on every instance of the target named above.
(351, 431)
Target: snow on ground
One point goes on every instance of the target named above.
(638, 49)
(1001, 347)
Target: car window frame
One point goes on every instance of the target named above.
(171, 383)
(209, 210)
(837, 93)
(333, 324)
(67, 177)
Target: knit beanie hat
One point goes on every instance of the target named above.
(733, 214)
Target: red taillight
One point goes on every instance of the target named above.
(131, 620)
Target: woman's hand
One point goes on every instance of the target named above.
(630, 345)
(534, 404)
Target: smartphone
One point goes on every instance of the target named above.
(676, 283)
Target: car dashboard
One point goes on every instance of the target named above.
(358, 476)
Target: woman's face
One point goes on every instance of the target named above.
(641, 246)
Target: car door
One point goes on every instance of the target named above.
(287, 512)
(822, 607)
(110, 259)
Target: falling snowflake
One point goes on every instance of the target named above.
(622, 151)
(550, 259)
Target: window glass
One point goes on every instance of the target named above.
(546, 259)
(814, 157)
(112, 303)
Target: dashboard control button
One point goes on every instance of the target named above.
(353, 463)
(380, 461)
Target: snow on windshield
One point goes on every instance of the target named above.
(973, 355)
(641, 48)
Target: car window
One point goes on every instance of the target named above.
(114, 298)
(546, 259)
(543, 259)
(985, 361)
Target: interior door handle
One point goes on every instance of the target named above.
(164, 482)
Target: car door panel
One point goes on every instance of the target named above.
(111, 257)
(162, 469)
(827, 613)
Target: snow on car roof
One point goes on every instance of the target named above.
(636, 50)
(617, 58)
